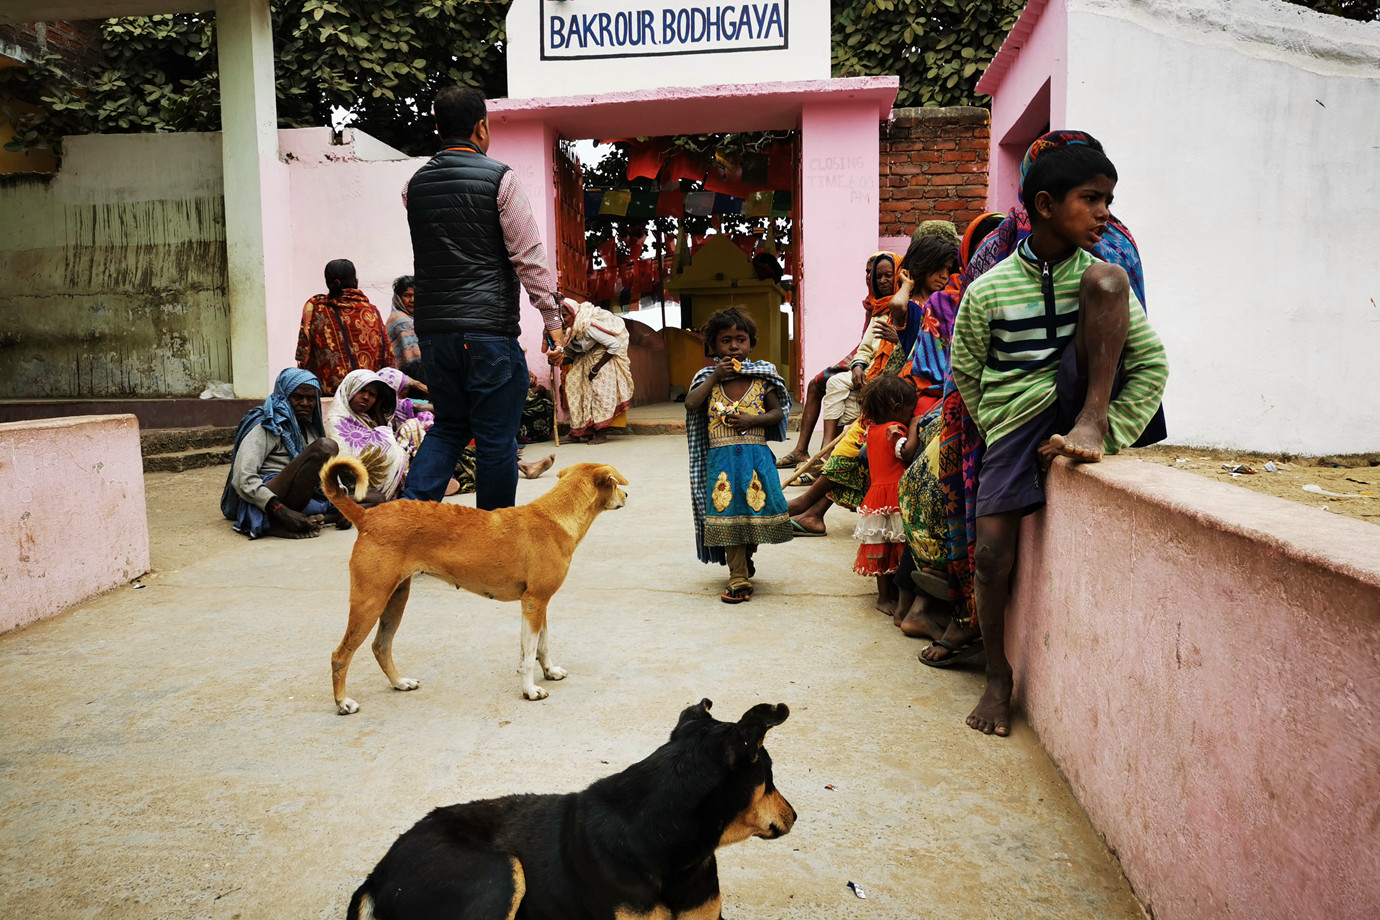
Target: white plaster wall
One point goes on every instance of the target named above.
(806, 58)
(1247, 138)
(340, 207)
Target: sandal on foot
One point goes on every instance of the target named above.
(789, 461)
(931, 583)
(960, 651)
(736, 595)
(800, 530)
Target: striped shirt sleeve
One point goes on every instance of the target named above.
(1144, 374)
(525, 249)
(968, 351)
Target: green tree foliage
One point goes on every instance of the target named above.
(939, 48)
(383, 60)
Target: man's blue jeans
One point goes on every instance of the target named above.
(478, 386)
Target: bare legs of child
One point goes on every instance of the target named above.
(1103, 322)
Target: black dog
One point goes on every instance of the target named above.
(638, 844)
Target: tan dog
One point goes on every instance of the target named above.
(511, 554)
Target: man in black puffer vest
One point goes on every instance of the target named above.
(474, 246)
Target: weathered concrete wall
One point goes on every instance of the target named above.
(1203, 663)
(112, 273)
(72, 498)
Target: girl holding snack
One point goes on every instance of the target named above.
(733, 408)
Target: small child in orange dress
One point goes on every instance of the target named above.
(888, 404)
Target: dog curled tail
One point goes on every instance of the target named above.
(330, 484)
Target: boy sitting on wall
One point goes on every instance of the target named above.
(1053, 357)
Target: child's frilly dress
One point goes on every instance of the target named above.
(880, 529)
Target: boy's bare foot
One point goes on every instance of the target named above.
(533, 470)
(992, 714)
(1083, 444)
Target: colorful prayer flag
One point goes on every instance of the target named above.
(758, 204)
(616, 202)
(700, 204)
(643, 205)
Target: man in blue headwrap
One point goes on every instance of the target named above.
(275, 467)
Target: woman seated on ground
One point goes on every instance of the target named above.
(843, 480)
(275, 466)
(359, 421)
(402, 334)
(409, 423)
(341, 330)
(598, 382)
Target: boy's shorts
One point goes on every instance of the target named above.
(1009, 477)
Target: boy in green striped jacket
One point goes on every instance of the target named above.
(1053, 357)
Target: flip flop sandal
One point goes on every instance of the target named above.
(960, 652)
(789, 461)
(798, 530)
(736, 595)
(935, 585)
(806, 480)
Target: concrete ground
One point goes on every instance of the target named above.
(172, 750)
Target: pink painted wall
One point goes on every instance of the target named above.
(528, 147)
(72, 494)
(1028, 80)
(839, 214)
(1203, 664)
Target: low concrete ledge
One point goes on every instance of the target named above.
(72, 495)
(1203, 664)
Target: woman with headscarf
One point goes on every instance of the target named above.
(402, 334)
(341, 330)
(276, 462)
(960, 446)
(880, 277)
(598, 381)
(360, 423)
(409, 423)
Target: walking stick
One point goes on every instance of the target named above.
(809, 464)
(555, 395)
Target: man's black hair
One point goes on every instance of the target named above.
(732, 318)
(929, 254)
(1063, 169)
(458, 109)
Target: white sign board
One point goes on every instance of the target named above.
(577, 47)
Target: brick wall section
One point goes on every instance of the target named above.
(77, 43)
(933, 167)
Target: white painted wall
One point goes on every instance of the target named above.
(806, 56)
(1247, 137)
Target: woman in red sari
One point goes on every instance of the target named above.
(341, 330)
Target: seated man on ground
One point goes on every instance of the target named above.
(275, 466)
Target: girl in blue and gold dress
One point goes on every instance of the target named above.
(733, 408)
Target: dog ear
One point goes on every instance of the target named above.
(607, 475)
(751, 731)
(698, 711)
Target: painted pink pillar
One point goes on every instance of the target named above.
(72, 490)
(1028, 83)
(1201, 662)
(839, 211)
(528, 147)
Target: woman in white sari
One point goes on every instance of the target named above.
(598, 382)
(359, 421)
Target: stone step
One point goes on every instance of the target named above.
(170, 440)
(181, 460)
